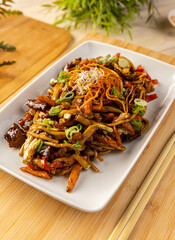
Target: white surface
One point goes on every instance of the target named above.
(93, 190)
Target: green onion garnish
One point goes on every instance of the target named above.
(137, 124)
(38, 145)
(77, 145)
(115, 92)
(55, 110)
(103, 60)
(138, 109)
(47, 123)
(72, 130)
(113, 59)
(66, 98)
(140, 102)
(63, 77)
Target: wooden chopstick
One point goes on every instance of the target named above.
(134, 210)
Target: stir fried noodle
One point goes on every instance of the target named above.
(90, 109)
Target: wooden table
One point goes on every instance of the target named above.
(26, 213)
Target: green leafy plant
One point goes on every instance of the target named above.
(117, 15)
(4, 10)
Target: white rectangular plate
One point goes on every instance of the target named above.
(93, 190)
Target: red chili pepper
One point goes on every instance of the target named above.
(151, 97)
(148, 76)
(53, 166)
(117, 55)
(140, 69)
(154, 81)
(44, 164)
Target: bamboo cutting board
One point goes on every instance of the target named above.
(37, 44)
(26, 213)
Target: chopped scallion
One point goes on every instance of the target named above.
(66, 98)
(38, 145)
(55, 110)
(72, 130)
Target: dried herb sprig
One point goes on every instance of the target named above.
(7, 63)
(7, 47)
(117, 15)
(4, 10)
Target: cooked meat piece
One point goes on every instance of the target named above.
(75, 62)
(129, 137)
(15, 136)
(128, 77)
(26, 122)
(46, 151)
(36, 104)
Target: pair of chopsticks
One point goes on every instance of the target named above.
(137, 205)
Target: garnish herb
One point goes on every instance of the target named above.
(63, 77)
(140, 102)
(138, 109)
(123, 63)
(66, 98)
(72, 130)
(137, 124)
(106, 59)
(103, 60)
(38, 145)
(47, 123)
(5, 10)
(115, 92)
(77, 145)
(7, 47)
(55, 111)
(7, 63)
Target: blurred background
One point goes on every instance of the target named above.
(159, 37)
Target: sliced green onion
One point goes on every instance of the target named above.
(38, 145)
(72, 130)
(115, 92)
(103, 60)
(77, 67)
(113, 59)
(123, 63)
(137, 124)
(55, 110)
(138, 109)
(140, 102)
(63, 77)
(77, 145)
(66, 98)
(47, 121)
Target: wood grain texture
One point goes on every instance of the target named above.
(26, 213)
(37, 44)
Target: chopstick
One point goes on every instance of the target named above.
(137, 205)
